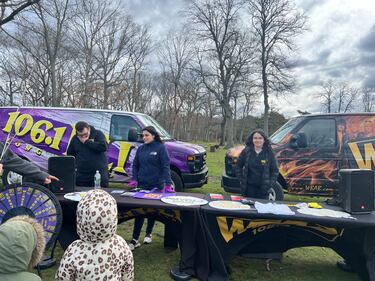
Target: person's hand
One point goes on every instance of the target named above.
(133, 183)
(1, 169)
(49, 179)
(83, 138)
(168, 189)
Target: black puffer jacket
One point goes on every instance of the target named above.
(270, 170)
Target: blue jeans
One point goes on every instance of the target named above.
(138, 223)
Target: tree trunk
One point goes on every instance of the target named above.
(266, 103)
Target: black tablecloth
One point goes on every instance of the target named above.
(233, 231)
(182, 223)
(209, 238)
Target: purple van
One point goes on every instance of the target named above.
(42, 132)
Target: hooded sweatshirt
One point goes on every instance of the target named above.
(16, 164)
(91, 155)
(21, 247)
(99, 254)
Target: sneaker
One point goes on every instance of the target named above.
(344, 266)
(148, 239)
(134, 244)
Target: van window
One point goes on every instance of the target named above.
(149, 121)
(120, 126)
(284, 130)
(320, 132)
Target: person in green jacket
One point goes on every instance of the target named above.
(22, 245)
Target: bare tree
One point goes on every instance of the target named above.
(345, 97)
(337, 96)
(224, 56)
(368, 99)
(111, 60)
(327, 95)
(11, 86)
(41, 36)
(10, 8)
(138, 82)
(84, 29)
(275, 24)
(175, 55)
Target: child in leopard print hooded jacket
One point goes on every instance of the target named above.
(100, 254)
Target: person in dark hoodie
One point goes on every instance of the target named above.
(28, 170)
(257, 166)
(89, 147)
(22, 243)
(151, 169)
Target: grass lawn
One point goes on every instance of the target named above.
(153, 262)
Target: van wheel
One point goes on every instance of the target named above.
(276, 193)
(10, 177)
(177, 182)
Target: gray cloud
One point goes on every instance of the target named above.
(159, 15)
(369, 82)
(308, 5)
(368, 60)
(337, 46)
(335, 73)
(367, 43)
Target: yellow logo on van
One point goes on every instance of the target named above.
(366, 162)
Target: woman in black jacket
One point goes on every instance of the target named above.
(257, 166)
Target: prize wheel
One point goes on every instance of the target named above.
(35, 201)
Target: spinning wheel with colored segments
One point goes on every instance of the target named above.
(35, 201)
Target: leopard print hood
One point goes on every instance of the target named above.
(96, 216)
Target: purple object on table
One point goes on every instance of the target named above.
(153, 194)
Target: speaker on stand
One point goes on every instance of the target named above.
(356, 190)
(64, 168)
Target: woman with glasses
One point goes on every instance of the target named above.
(151, 169)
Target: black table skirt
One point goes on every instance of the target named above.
(209, 238)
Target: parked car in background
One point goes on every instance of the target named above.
(311, 149)
(42, 132)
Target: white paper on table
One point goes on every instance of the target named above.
(273, 208)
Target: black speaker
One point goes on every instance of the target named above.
(62, 167)
(356, 190)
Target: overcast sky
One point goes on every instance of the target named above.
(339, 43)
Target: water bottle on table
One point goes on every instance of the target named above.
(97, 179)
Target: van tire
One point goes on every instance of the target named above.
(10, 177)
(276, 193)
(177, 182)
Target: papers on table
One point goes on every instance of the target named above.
(325, 213)
(228, 205)
(273, 208)
(75, 196)
(184, 201)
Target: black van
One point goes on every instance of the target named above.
(311, 149)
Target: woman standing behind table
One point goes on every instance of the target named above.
(257, 166)
(151, 168)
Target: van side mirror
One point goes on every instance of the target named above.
(133, 135)
(298, 140)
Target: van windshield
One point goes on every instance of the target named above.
(284, 130)
(149, 121)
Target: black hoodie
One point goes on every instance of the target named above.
(91, 155)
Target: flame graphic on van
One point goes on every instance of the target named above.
(315, 170)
